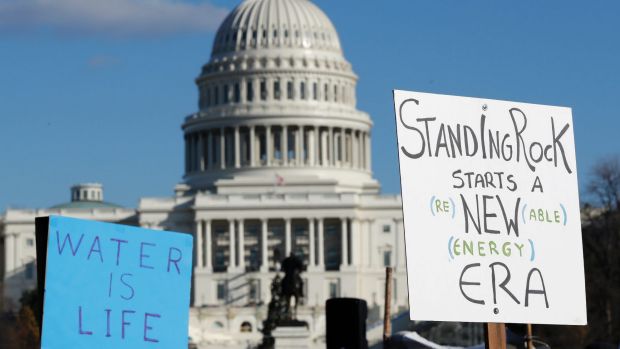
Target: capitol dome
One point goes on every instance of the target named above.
(265, 24)
(277, 100)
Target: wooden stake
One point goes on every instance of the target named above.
(495, 335)
(530, 344)
(387, 321)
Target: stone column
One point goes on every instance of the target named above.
(311, 242)
(300, 146)
(311, 147)
(242, 91)
(222, 148)
(399, 245)
(252, 146)
(321, 262)
(209, 158)
(323, 138)
(332, 147)
(354, 241)
(264, 245)
(362, 151)
(237, 148)
(363, 244)
(201, 163)
(284, 145)
(343, 147)
(269, 145)
(344, 243)
(232, 260)
(287, 237)
(199, 254)
(368, 157)
(17, 250)
(241, 248)
(269, 82)
(255, 90)
(209, 248)
(9, 247)
(371, 243)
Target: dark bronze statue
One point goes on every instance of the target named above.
(280, 312)
(292, 285)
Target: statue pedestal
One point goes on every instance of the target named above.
(292, 337)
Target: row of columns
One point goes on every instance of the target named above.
(253, 146)
(271, 89)
(356, 242)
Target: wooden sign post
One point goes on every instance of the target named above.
(387, 313)
(495, 335)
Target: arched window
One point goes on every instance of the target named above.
(246, 327)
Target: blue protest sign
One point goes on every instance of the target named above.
(114, 286)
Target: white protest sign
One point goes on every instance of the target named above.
(491, 210)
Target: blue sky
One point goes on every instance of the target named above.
(96, 90)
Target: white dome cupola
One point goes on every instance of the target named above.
(275, 24)
(277, 100)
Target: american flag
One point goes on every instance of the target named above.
(279, 180)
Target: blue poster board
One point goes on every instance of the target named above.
(114, 286)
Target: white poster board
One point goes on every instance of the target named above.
(491, 210)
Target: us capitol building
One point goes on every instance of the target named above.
(277, 161)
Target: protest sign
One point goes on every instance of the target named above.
(112, 286)
(491, 210)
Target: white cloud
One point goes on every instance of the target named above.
(110, 17)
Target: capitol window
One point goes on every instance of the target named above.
(315, 91)
(326, 92)
(221, 290)
(30, 242)
(276, 89)
(387, 258)
(250, 92)
(289, 89)
(302, 90)
(263, 90)
(237, 93)
(387, 228)
(334, 291)
(29, 272)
